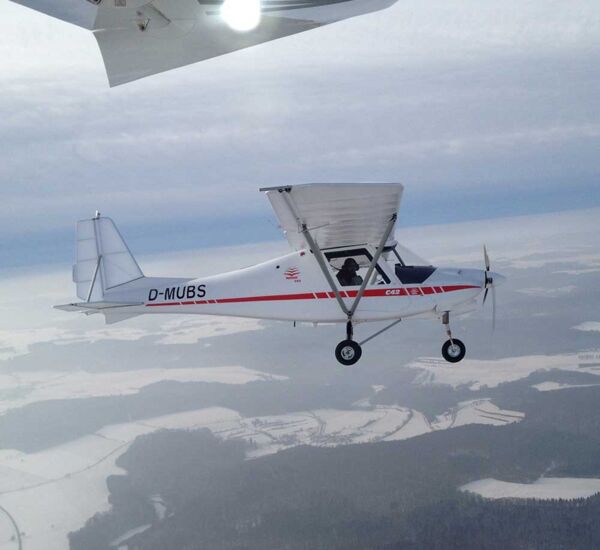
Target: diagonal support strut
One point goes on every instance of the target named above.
(316, 251)
(374, 261)
(302, 227)
(387, 327)
(96, 269)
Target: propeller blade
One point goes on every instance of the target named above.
(485, 295)
(486, 258)
(493, 307)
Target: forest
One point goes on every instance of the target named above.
(389, 495)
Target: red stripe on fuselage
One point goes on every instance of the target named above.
(452, 288)
(274, 297)
(375, 292)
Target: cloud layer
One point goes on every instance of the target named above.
(469, 103)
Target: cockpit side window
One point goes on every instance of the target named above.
(351, 267)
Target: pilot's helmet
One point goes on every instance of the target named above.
(351, 264)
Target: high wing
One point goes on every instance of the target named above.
(336, 214)
(138, 38)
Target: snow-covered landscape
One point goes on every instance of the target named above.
(478, 373)
(72, 476)
(544, 488)
(19, 389)
(55, 490)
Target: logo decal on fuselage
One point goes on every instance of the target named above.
(188, 292)
(292, 274)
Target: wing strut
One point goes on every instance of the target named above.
(323, 265)
(374, 261)
(89, 295)
(302, 228)
(387, 327)
(97, 270)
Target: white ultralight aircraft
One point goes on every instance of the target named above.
(138, 38)
(345, 267)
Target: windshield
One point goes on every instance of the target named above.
(406, 257)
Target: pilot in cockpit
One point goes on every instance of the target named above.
(347, 275)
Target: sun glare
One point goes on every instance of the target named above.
(241, 15)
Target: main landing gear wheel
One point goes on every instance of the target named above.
(453, 350)
(348, 352)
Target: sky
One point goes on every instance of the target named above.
(482, 109)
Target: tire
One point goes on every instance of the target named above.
(453, 353)
(348, 352)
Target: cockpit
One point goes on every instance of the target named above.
(351, 266)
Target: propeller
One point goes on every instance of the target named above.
(488, 283)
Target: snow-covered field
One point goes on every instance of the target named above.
(588, 326)
(477, 411)
(543, 488)
(64, 331)
(329, 427)
(479, 373)
(18, 389)
(52, 493)
(55, 491)
(552, 386)
(119, 542)
(7, 533)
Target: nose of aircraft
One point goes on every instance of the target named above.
(497, 278)
(479, 276)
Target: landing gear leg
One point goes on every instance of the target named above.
(453, 349)
(348, 352)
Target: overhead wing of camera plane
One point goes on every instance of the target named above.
(138, 38)
(345, 267)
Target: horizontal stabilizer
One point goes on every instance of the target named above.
(113, 312)
(87, 307)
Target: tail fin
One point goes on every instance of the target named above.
(103, 259)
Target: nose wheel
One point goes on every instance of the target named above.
(453, 350)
